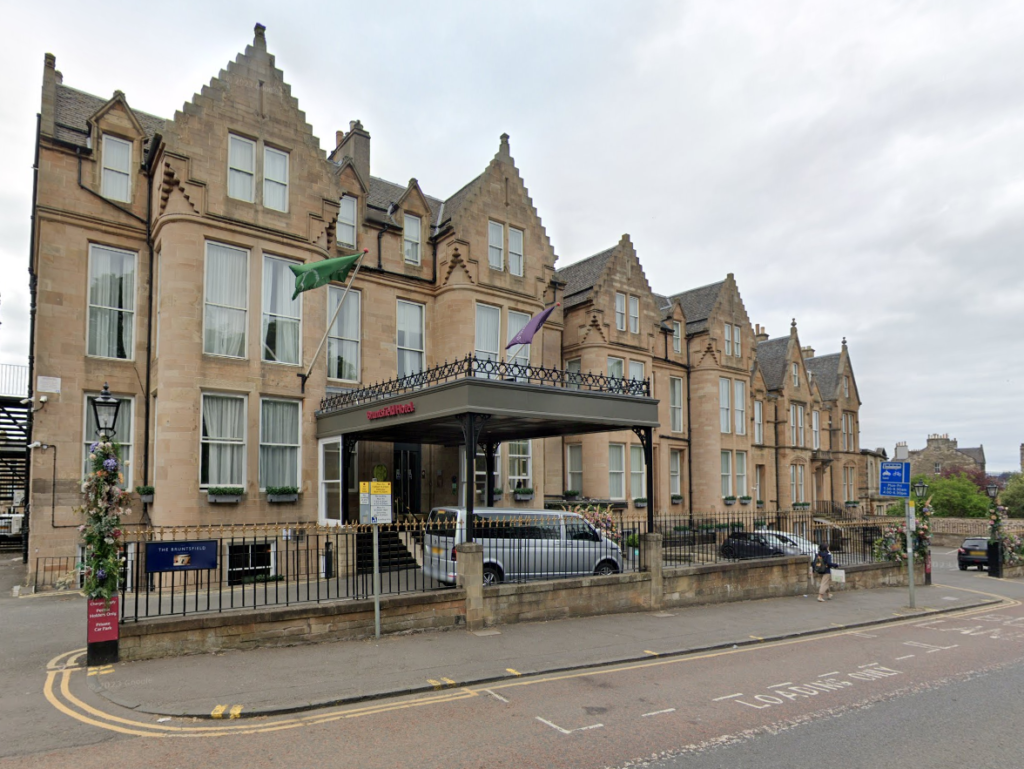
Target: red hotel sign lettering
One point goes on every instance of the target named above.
(390, 411)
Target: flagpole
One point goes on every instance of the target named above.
(348, 286)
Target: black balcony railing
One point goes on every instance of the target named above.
(472, 367)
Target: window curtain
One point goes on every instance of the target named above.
(574, 370)
(410, 338)
(343, 340)
(223, 441)
(637, 486)
(576, 468)
(111, 303)
(275, 179)
(241, 168)
(411, 229)
(515, 251)
(281, 315)
(226, 287)
(279, 444)
(347, 222)
(495, 245)
(616, 471)
(117, 159)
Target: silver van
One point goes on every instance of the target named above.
(518, 545)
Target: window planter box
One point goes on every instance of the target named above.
(281, 498)
(145, 494)
(523, 496)
(224, 495)
(852, 504)
(677, 499)
(729, 500)
(640, 503)
(744, 500)
(802, 506)
(147, 499)
(760, 503)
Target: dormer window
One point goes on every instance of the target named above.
(275, 179)
(347, 221)
(117, 162)
(241, 168)
(796, 375)
(412, 239)
(677, 336)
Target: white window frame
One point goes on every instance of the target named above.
(323, 483)
(846, 385)
(297, 445)
(757, 483)
(724, 408)
(244, 442)
(267, 151)
(574, 477)
(411, 235)
(480, 350)
(339, 328)
(207, 303)
(527, 458)
(423, 335)
(109, 171)
(345, 220)
(796, 375)
(636, 370)
(119, 436)
(93, 247)
(516, 259)
(621, 366)
(496, 246)
(480, 472)
(637, 473)
(739, 406)
(298, 319)
(728, 339)
(620, 450)
(816, 430)
(677, 336)
(800, 483)
(675, 466)
(573, 366)
(634, 315)
(620, 311)
(726, 473)
(522, 357)
(249, 173)
(758, 422)
(741, 473)
(736, 341)
(675, 403)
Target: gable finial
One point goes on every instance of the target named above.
(844, 341)
(503, 147)
(260, 39)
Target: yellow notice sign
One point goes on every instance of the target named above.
(380, 487)
(364, 487)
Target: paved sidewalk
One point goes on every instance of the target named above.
(291, 679)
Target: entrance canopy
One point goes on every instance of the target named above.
(476, 401)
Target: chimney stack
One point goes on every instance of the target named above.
(760, 334)
(356, 145)
(807, 352)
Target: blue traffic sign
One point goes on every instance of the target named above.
(894, 479)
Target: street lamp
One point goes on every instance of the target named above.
(993, 490)
(920, 488)
(105, 408)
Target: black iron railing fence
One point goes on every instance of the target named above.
(472, 367)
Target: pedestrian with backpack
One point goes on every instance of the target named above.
(822, 565)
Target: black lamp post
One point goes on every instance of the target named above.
(995, 547)
(105, 408)
(920, 489)
(992, 490)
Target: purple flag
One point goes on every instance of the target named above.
(526, 334)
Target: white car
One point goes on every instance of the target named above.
(792, 544)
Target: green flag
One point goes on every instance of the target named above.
(316, 274)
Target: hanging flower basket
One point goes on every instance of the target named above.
(145, 494)
(744, 500)
(729, 500)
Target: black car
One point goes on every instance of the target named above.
(742, 544)
(973, 552)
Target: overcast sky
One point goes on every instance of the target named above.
(859, 165)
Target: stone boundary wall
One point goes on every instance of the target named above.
(500, 604)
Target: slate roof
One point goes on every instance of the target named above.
(771, 359)
(383, 193)
(977, 454)
(826, 373)
(579, 278)
(74, 108)
(697, 304)
(664, 303)
(454, 203)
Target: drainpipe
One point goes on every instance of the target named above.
(689, 431)
(32, 288)
(775, 422)
(153, 146)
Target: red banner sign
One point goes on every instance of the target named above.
(390, 411)
(103, 620)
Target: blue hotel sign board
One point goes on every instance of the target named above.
(181, 556)
(894, 479)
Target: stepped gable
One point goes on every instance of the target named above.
(825, 369)
(771, 360)
(697, 305)
(579, 278)
(75, 108)
(453, 205)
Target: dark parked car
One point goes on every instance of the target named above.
(742, 544)
(973, 552)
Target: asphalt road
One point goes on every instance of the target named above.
(919, 693)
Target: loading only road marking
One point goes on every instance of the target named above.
(781, 693)
(558, 728)
(932, 648)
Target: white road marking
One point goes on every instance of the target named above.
(869, 665)
(502, 699)
(659, 712)
(864, 635)
(930, 647)
(784, 683)
(904, 657)
(833, 673)
(567, 731)
(728, 697)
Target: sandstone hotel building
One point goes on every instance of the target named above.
(159, 264)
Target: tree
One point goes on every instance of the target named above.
(1012, 496)
(958, 497)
